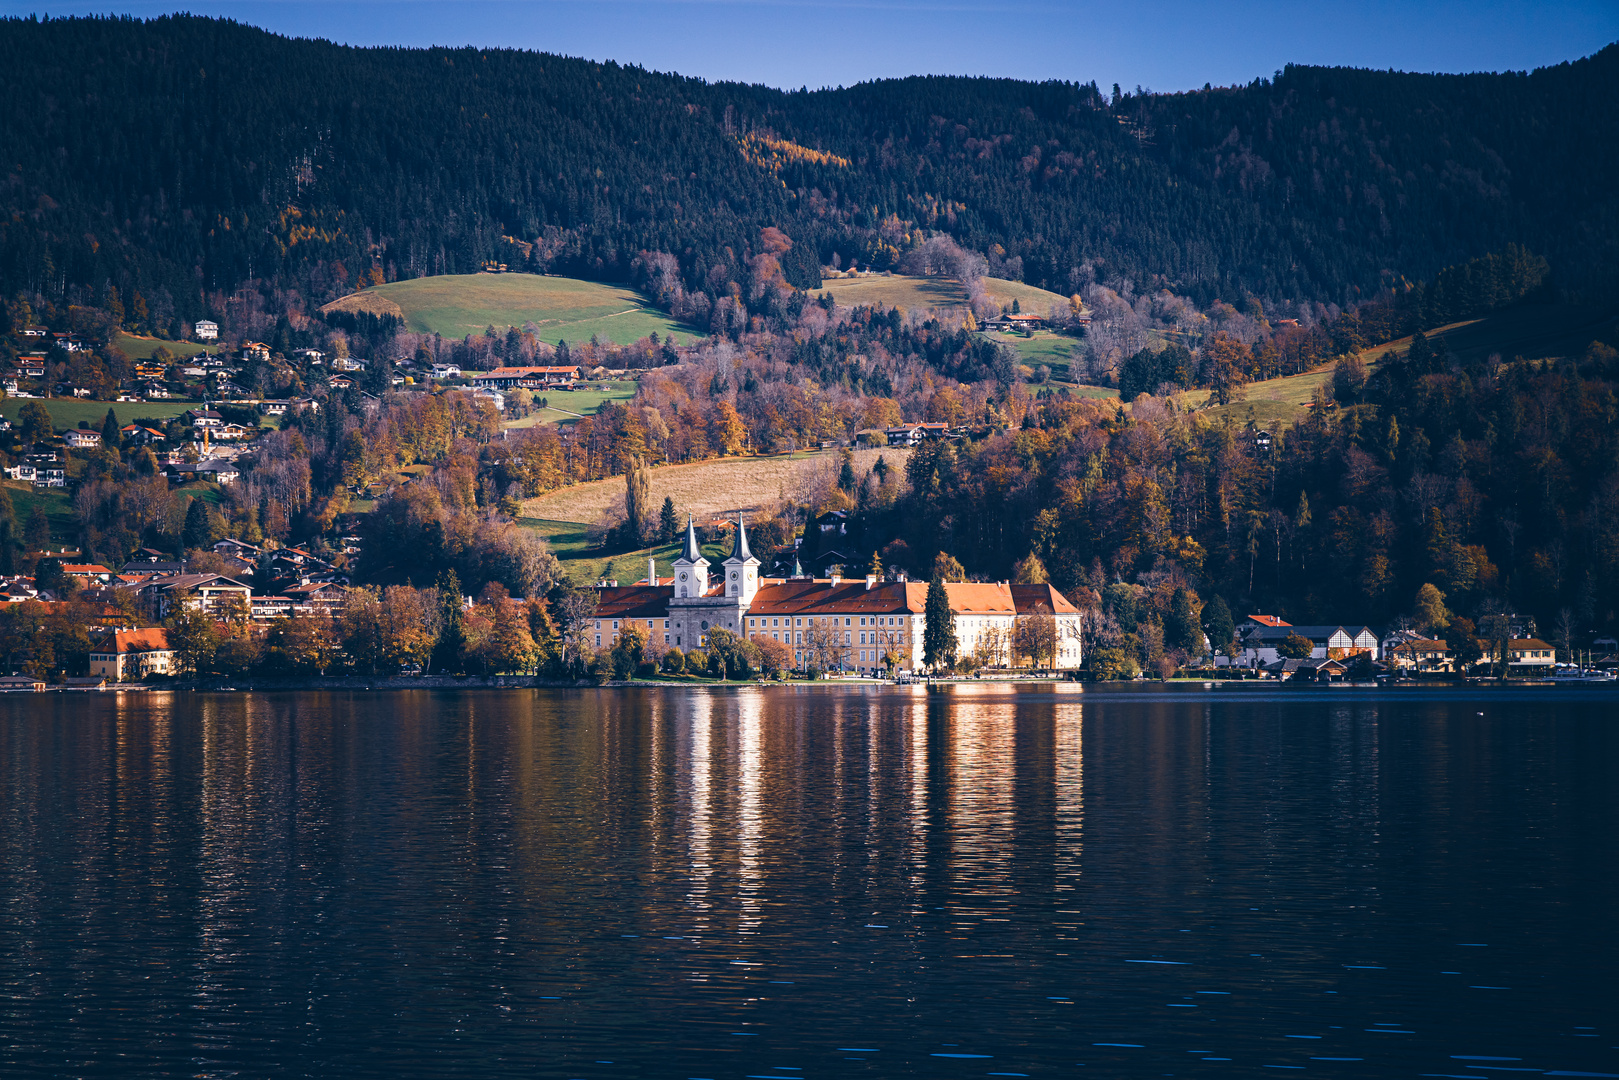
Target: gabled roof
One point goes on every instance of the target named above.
(846, 598)
(1421, 645)
(633, 601)
(979, 598)
(1044, 598)
(191, 581)
(144, 639)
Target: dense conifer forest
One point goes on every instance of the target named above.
(182, 156)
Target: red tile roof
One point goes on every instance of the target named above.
(1031, 598)
(145, 639)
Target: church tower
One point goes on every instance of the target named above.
(691, 569)
(741, 569)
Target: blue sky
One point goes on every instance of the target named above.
(1162, 45)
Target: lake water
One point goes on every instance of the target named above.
(810, 882)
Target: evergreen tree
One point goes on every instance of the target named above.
(938, 627)
(452, 637)
(197, 533)
(846, 478)
(1221, 629)
(1181, 630)
(668, 522)
(111, 437)
(38, 536)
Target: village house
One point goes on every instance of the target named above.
(446, 371)
(204, 419)
(131, 655)
(1530, 655)
(1260, 644)
(1420, 654)
(205, 330)
(93, 573)
(81, 439)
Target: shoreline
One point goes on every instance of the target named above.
(538, 682)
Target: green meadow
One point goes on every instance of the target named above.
(564, 309)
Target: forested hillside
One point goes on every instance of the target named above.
(181, 157)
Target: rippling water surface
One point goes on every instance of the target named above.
(818, 882)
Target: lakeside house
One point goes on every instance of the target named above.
(1261, 643)
(1531, 656)
(1419, 654)
(131, 655)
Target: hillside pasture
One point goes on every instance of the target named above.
(706, 488)
(563, 309)
(1533, 333)
(67, 412)
(923, 293)
(142, 348)
(564, 405)
(585, 565)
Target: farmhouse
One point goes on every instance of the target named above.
(530, 378)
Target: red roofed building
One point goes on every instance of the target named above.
(834, 624)
(131, 655)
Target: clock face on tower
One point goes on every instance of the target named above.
(733, 575)
(682, 577)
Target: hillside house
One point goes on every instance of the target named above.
(202, 591)
(205, 330)
(446, 371)
(82, 439)
(204, 419)
(90, 573)
(136, 435)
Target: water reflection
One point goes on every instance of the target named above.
(725, 882)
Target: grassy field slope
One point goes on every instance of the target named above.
(67, 412)
(572, 404)
(142, 348)
(456, 305)
(1533, 333)
(920, 293)
(585, 564)
(705, 488)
